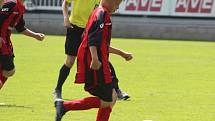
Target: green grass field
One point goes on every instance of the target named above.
(167, 81)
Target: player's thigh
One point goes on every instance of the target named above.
(8, 66)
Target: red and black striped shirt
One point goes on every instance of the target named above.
(97, 33)
(11, 16)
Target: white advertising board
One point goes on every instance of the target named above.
(185, 8)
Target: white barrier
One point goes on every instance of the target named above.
(43, 4)
(185, 8)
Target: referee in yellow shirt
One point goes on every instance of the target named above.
(75, 24)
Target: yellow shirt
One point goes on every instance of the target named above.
(81, 10)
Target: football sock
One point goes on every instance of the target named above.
(103, 114)
(64, 72)
(82, 104)
(116, 86)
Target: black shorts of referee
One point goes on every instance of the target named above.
(73, 40)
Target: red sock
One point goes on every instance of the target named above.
(103, 114)
(82, 104)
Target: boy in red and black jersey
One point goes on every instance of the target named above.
(95, 47)
(92, 65)
(11, 16)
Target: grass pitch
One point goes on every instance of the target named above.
(167, 81)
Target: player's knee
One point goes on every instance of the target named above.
(70, 61)
(114, 98)
(105, 104)
(8, 73)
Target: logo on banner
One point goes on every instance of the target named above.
(194, 6)
(144, 5)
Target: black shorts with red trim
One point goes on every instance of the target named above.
(7, 62)
(73, 40)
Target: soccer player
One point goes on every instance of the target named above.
(11, 16)
(93, 67)
(75, 25)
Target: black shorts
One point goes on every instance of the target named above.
(73, 40)
(101, 89)
(7, 62)
(104, 92)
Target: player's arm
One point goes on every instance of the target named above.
(20, 27)
(126, 55)
(95, 63)
(38, 36)
(65, 9)
(95, 39)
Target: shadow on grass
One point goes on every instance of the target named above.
(3, 105)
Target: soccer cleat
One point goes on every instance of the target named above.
(57, 94)
(122, 95)
(60, 111)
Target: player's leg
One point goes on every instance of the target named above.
(105, 103)
(7, 68)
(63, 74)
(65, 69)
(103, 96)
(105, 109)
(73, 40)
(120, 94)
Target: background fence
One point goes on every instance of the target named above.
(179, 8)
(183, 8)
(174, 19)
(43, 4)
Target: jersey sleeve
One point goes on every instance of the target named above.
(96, 30)
(20, 27)
(5, 12)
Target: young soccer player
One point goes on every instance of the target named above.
(75, 25)
(92, 67)
(11, 16)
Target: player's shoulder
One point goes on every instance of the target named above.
(9, 3)
(101, 12)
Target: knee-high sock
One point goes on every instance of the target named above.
(64, 72)
(82, 104)
(103, 114)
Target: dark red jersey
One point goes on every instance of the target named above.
(11, 16)
(97, 33)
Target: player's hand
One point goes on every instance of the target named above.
(39, 36)
(67, 23)
(127, 56)
(95, 64)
